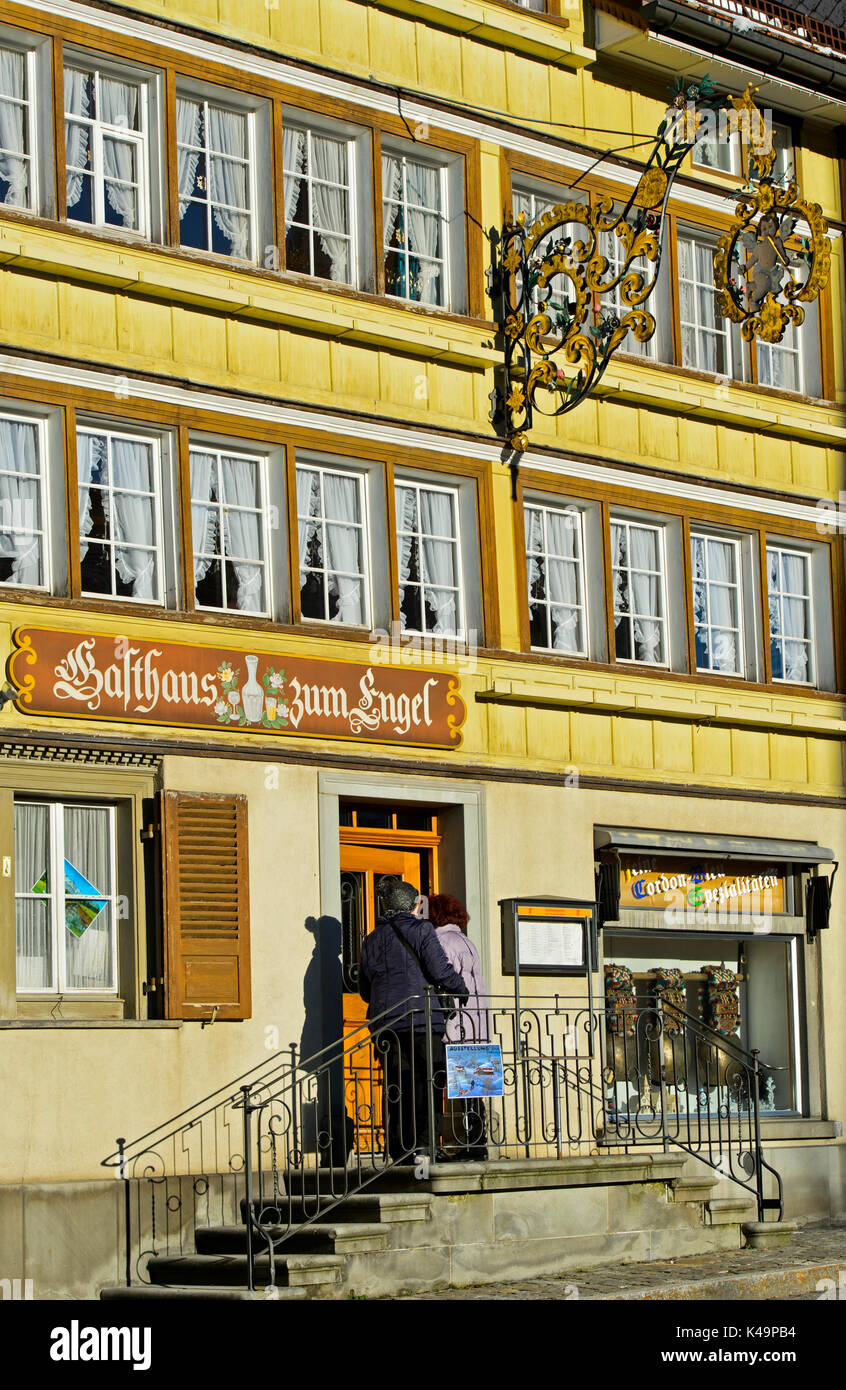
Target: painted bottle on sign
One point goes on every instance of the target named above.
(252, 695)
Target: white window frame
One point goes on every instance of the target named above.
(450, 168)
(45, 532)
(721, 328)
(354, 230)
(221, 450)
(362, 481)
(201, 99)
(782, 548)
(160, 545)
(546, 603)
(712, 537)
(56, 813)
(92, 66)
(664, 619)
(34, 156)
(460, 598)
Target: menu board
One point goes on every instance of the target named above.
(546, 936)
(550, 944)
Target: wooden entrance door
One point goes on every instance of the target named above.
(361, 868)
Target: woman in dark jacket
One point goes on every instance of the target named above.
(400, 957)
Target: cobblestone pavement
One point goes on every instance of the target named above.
(821, 1251)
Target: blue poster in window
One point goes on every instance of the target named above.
(474, 1070)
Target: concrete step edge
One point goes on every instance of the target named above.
(764, 1284)
(199, 1291)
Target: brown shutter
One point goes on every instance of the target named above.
(206, 906)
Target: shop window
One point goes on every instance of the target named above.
(640, 598)
(24, 552)
(222, 150)
(120, 515)
(229, 514)
(109, 117)
(334, 563)
(65, 898)
(423, 228)
(325, 172)
(429, 552)
(743, 987)
(555, 578)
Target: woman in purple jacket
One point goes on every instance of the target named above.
(467, 1025)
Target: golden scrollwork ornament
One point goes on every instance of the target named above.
(763, 271)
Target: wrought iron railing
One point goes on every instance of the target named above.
(285, 1144)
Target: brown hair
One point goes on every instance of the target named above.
(444, 909)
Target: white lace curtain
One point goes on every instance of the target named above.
(77, 135)
(19, 501)
(13, 163)
(563, 580)
(88, 958)
(329, 174)
(720, 606)
(406, 507)
(437, 519)
(132, 527)
(795, 618)
(241, 542)
(423, 222)
(32, 915)
(342, 561)
(189, 117)
(638, 593)
(119, 107)
(227, 137)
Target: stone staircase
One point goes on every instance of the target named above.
(468, 1223)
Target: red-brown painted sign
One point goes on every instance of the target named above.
(127, 679)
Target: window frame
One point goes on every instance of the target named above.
(319, 465)
(48, 539)
(360, 220)
(617, 518)
(584, 607)
(451, 165)
(453, 491)
(58, 899)
(736, 543)
(205, 95)
(165, 548)
(221, 448)
(774, 544)
(142, 140)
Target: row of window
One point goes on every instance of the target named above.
(128, 513)
(115, 160)
(705, 341)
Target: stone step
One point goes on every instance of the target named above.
(369, 1207)
(320, 1238)
(728, 1211)
(697, 1189)
(201, 1293)
(230, 1271)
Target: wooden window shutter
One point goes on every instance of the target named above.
(206, 906)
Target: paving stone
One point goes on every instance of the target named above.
(813, 1251)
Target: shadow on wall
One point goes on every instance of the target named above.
(330, 1134)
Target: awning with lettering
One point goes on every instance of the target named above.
(746, 847)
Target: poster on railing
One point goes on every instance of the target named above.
(474, 1070)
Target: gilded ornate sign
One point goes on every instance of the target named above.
(716, 887)
(127, 679)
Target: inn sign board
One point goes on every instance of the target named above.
(132, 680)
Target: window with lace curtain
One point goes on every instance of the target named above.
(431, 595)
(640, 604)
(415, 224)
(120, 515)
(24, 553)
(65, 898)
(229, 512)
(216, 172)
(790, 593)
(318, 177)
(333, 545)
(717, 603)
(18, 178)
(555, 578)
(107, 148)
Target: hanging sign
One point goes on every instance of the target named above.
(474, 1070)
(713, 886)
(132, 680)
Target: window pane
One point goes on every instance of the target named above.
(88, 914)
(33, 889)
